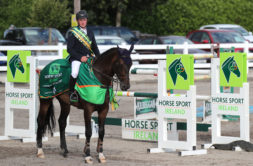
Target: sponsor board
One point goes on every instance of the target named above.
(145, 108)
(175, 107)
(233, 69)
(18, 98)
(227, 104)
(179, 71)
(17, 68)
(146, 130)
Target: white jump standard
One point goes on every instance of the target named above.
(181, 106)
(21, 98)
(229, 103)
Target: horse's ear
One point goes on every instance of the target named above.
(131, 48)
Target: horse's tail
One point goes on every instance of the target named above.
(50, 120)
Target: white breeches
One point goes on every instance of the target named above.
(75, 65)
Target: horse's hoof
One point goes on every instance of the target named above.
(40, 153)
(101, 158)
(65, 153)
(88, 160)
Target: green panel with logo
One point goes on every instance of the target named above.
(65, 54)
(179, 71)
(145, 105)
(233, 69)
(17, 68)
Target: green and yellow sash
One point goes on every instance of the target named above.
(83, 38)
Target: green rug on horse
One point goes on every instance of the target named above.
(54, 80)
(88, 86)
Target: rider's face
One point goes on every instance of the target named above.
(82, 22)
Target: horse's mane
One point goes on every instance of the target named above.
(106, 54)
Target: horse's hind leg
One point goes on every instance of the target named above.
(65, 109)
(44, 106)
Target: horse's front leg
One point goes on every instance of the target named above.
(65, 109)
(101, 132)
(88, 109)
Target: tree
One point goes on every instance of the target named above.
(105, 12)
(50, 13)
(141, 15)
(120, 6)
(14, 12)
(165, 17)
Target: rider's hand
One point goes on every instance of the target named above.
(84, 59)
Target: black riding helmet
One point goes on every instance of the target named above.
(81, 14)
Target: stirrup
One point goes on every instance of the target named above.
(73, 97)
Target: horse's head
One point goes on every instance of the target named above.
(114, 61)
(229, 66)
(16, 63)
(122, 66)
(177, 68)
(180, 70)
(233, 67)
(19, 65)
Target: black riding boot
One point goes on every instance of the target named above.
(72, 92)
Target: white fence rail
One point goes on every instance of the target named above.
(48, 53)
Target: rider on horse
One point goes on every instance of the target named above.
(81, 44)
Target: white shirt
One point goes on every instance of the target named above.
(84, 30)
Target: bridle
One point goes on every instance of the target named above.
(113, 79)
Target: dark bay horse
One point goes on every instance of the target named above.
(115, 61)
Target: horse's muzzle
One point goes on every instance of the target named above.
(124, 87)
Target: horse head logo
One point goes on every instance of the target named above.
(54, 68)
(229, 66)
(177, 68)
(16, 63)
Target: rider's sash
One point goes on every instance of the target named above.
(83, 38)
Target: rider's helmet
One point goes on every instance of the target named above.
(81, 14)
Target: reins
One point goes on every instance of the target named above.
(111, 78)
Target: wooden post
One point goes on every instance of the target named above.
(77, 6)
(118, 18)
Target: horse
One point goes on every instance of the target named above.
(16, 63)
(115, 61)
(229, 66)
(177, 68)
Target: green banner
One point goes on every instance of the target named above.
(233, 69)
(179, 71)
(145, 105)
(17, 68)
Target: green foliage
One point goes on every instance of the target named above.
(179, 17)
(103, 12)
(50, 13)
(161, 17)
(140, 15)
(14, 12)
